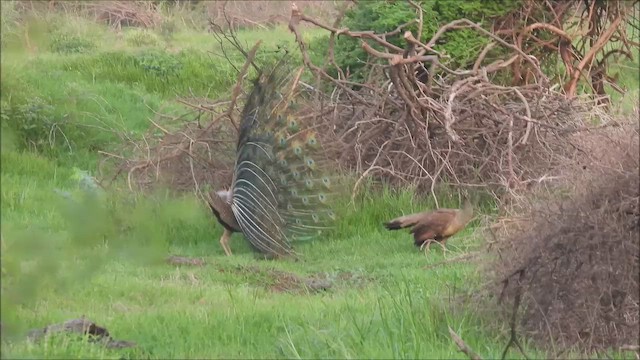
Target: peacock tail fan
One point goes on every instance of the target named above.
(282, 191)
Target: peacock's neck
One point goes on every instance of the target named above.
(221, 206)
(225, 195)
(467, 212)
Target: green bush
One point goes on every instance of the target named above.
(35, 123)
(385, 16)
(70, 44)
(159, 63)
(141, 37)
(58, 114)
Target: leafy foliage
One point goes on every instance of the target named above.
(159, 63)
(141, 37)
(34, 122)
(70, 43)
(382, 17)
(189, 70)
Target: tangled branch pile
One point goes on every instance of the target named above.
(416, 120)
(578, 261)
(588, 35)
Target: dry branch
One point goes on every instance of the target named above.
(125, 13)
(461, 127)
(195, 155)
(463, 346)
(453, 124)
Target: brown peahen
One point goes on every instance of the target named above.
(438, 225)
(279, 191)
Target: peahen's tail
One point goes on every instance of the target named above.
(402, 222)
(281, 191)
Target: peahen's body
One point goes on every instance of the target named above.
(434, 226)
(278, 192)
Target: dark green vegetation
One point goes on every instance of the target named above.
(384, 17)
(68, 250)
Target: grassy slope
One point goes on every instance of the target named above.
(63, 259)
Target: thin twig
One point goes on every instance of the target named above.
(463, 346)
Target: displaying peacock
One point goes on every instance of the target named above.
(279, 191)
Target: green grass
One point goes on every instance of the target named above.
(103, 256)
(112, 271)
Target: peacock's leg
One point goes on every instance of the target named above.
(444, 248)
(224, 241)
(426, 246)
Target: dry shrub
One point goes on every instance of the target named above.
(192, 157)
(191, 168)
(125, 13)
(237, 15)
(577, 257)
(571, 37)
(414, 120)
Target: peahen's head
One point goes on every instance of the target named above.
(467, 205)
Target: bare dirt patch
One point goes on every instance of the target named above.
(280, 281)
(181, 260)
